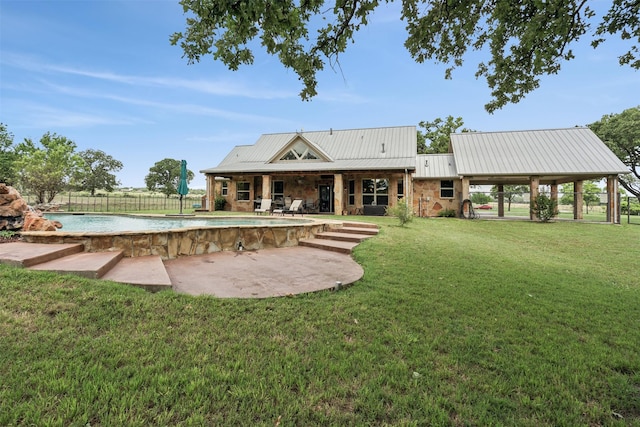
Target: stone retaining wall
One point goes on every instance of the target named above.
(171, 244)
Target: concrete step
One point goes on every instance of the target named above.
(147, 272)
(329, 245)
(359, 224)
(357, 230)
(22, 254)
(343, 237)
(87, 264)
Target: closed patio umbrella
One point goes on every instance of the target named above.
(182, 185)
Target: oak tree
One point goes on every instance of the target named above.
(621, 132)
(95, 172)
(521, 40)
(164, 176)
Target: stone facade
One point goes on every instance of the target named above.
(12, 208)
(427, 201)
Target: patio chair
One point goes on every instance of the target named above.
(293, 209)
(310, 205)
(265, 206)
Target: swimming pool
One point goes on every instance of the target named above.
(173, 237)
(98, 223)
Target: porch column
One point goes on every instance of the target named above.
(500, 201)
(578, 200)
(554, 196)
(612, 200)
(266, 186)
(211, 193)
(465, 189)
(408, 188)
(338, 194)
(534, 183)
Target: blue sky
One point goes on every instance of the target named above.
(103, 74)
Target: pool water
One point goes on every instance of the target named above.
(93, 223)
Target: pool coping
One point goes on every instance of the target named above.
(186, 241)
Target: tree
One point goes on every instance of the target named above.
(621, 132)
(164, 176)
(95, 171)
(524, 39)
(8, 156)
(510, 192)
(45, 171)
(481, 199)
(437, 134)
(590, 194)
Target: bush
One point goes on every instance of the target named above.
(632, 208)
(544, 207)
(219, 203)
(447, 213)
(481, 198)
(402, 211)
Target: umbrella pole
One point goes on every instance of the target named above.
(181, 204)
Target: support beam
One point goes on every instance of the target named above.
(266, 186)
(338, 194)
(500, 201)
(613, 208)
(534, 185)
(211, 193)
(554, 197)
(465, 189)
(578, 199)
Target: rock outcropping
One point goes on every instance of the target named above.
(15, 214)
(12, 208)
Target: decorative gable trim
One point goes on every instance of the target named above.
(300, 149)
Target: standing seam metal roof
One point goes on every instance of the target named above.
(376, 148)
(539, 152)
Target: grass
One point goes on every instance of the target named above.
(454, 323)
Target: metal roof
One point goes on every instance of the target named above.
(354, 149)
(572, 151)
(435, 166)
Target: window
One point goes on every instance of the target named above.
(352, 192)
(375, 191)
(400, 189)
(242, 190)
(299, 151)
(277, 190)
(225, 188)
(446, 189)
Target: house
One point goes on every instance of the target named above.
(361, 171)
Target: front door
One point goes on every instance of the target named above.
(326, 198)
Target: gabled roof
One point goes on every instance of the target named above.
(355, 149)
(572, 151)
(435, 166)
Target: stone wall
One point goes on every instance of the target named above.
(184, 242)
(427, 200)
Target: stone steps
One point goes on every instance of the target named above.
(342, 239)
(92, 265)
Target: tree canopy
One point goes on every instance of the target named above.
(436, 136)
(45, 170)
(164, 176)
(8, 156)
(621, 132)
(95, 171)
(523, 40)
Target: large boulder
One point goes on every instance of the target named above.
(34, 221)
(12, 208)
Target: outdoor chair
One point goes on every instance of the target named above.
(293, 209)
(310, 206)
(265, 206)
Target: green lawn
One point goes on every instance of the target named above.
(454, 323)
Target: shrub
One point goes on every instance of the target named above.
(447, 213)
(481, 198)
(402, 211)
(544, 207)
(219, 202)
(633, 207)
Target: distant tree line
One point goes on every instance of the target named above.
(53, 165)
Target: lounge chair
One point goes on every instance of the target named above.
(293, 209)
(265, 206)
